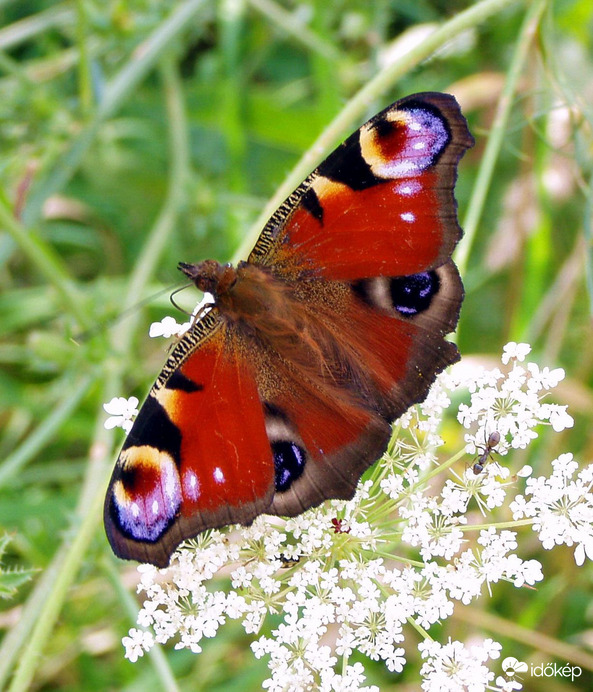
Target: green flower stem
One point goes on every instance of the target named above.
(497, 133)
(500, 525)
(398, 558)
(358, 104)
(421, 631)
(440, 468)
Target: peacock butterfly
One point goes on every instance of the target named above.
(282, 394)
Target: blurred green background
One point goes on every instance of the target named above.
(138, 134)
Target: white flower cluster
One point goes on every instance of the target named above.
(509, 403)
(348, 579)
(561, 508)
(452, 666)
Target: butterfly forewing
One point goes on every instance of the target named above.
(381, 204)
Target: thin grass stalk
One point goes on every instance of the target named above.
(47, 262)
(27, 28)
(49, 595)
(502, 627)
(498, 132)
(299, 32)
(74, 391)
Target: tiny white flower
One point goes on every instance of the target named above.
(203, 305)
(559, 418)
(515, 351)
(166, 328)
(137, 643)
(169, 327)
(121, 412)
(524, 471)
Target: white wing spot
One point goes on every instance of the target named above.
(191, 485)
(155, 507)
(419, 145)
(408, 189)
(408, 216)
(218, 475)
(135, 509)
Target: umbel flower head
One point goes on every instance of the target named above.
(348, 581)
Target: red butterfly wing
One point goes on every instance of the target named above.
(381, 204)
(183, 467)
(379, 214)
(376, 361)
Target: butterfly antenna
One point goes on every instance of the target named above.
(175, 292)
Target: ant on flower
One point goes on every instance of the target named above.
(487, 449)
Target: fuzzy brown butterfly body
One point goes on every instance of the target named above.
(282, 395)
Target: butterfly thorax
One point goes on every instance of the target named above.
(247, 293)
(265, 307)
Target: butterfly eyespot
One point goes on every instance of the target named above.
(147, 494)
(289, 464)
(413, 294)
(418, 134)
(407, 295)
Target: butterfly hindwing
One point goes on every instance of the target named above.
(389, 355)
